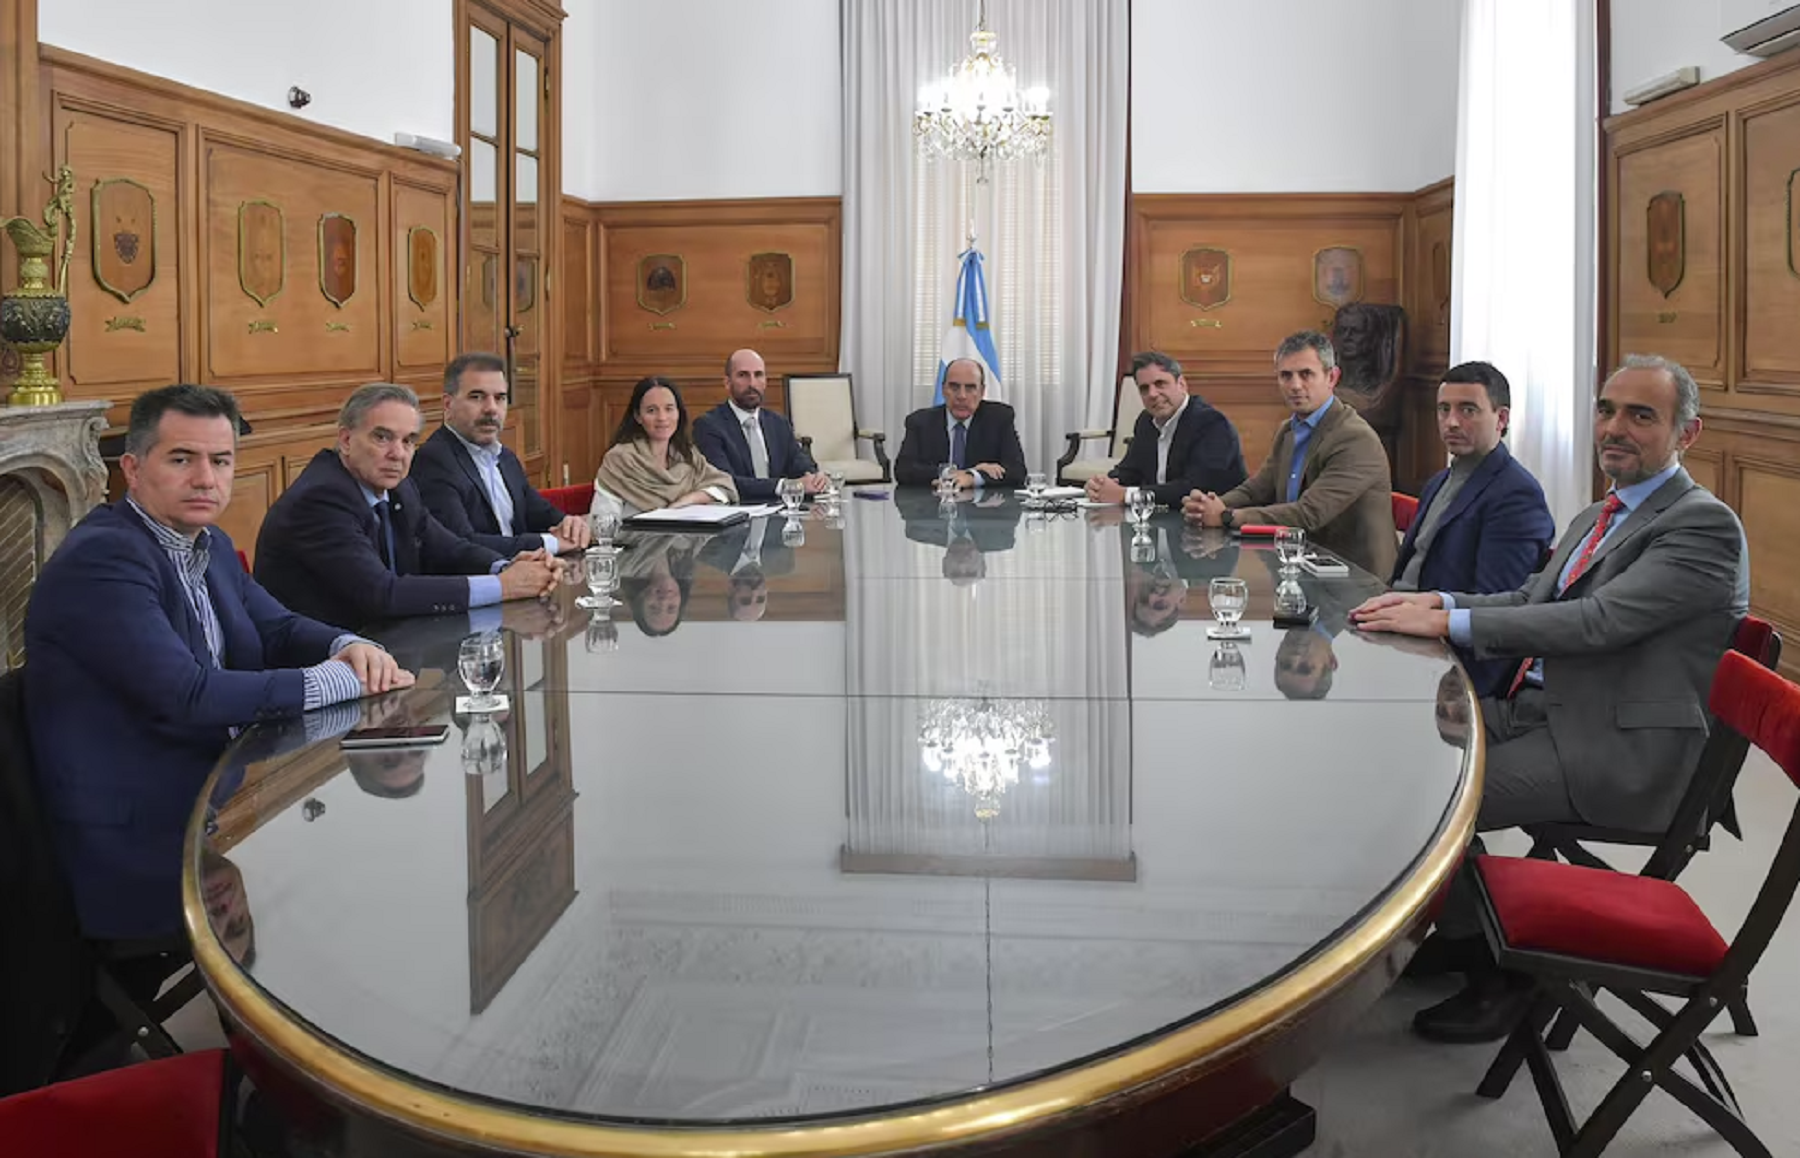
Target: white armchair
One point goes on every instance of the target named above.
(1127, 405)
(823, 411)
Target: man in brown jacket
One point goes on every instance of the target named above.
(1326, 474)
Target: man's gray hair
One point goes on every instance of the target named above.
(1687, 391)
(1157, 358)
(366, 398)
(1308, 340)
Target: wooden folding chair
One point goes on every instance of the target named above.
(1708, 801)
(1578, 930)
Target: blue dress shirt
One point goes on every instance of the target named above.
(1303, 432)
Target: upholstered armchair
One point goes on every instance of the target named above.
(1126, 408)
(822, 408)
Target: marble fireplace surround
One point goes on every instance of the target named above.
(54, 453)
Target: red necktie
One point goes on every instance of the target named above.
(1613, 505)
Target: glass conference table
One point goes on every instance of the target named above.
(898, 830)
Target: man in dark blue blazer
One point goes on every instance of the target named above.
(1179, 445)
(981, 438)
(752, 444)
(1482, 525)
(351, 541)
(475, 486)
(148, 646)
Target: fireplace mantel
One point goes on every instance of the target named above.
(50, 476)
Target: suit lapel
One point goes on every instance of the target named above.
(467, 461)
(1646, 513)
(1484, 475)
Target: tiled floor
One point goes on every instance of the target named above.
(1385, 1094)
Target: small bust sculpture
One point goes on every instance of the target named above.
(1369, 340)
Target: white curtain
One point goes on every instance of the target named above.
(1053, 232)
(1526, 211)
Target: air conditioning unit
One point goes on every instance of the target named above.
(1761, 27)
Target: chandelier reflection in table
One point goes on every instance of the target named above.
(719, 897)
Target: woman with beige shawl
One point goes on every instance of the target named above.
(653, 462)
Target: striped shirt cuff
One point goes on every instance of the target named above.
(331, 682)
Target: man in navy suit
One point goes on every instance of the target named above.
(1483, 525)
(980, 438)
(475, 486)
(1180, 444)
(352, 541)
(148, 646)
(753, 445)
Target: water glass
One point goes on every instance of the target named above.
(600, 568)
(483, 747)
(1143, 504)
(946, 484)
(481, 661)
(791, 491)
(1036, 483)
(1290, 597)
(834, 484)
(1229, 597)
(1290, 545)
(793, 533)
(602, 635)
(1226, 671)
(605, 526)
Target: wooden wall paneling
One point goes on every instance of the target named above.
(575, 460)
(1429, 251)
(21, 141)
(130, 208)
(1768, 493)
(424, 325)
(715, 240)
(1687, 323)
(1768, 248)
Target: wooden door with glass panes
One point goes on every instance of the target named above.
(509, 204)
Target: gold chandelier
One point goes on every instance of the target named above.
(977, 113)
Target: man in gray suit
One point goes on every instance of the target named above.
(1617, 638)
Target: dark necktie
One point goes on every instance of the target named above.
(959, 446)
(386, 524)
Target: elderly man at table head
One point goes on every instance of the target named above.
(1614, 642)
(1179, 445)
(979, 438)
(149, 647)
(352, 540)
(477, 487)
(751, 443)
(1327, 472)
(1483, 524)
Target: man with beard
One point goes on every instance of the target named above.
(477, 487)
(1614, 642)
(753, 445)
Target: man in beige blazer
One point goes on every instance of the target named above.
(1327, 473)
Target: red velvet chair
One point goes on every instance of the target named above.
(1577, 930)
(1708, 802)
(243, 560)
(575, 500)
(175, 1108)
(1406, 509)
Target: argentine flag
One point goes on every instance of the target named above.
(969, 335)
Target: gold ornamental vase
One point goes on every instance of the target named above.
(34, 318)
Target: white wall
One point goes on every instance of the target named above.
(372, 68)
(1282, 96)
(581, 43)
(1654, 37)
(712, 99)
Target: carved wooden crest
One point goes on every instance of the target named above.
(661, 283)
(337, 258)
(525, 284)
(262, 251)
(1440, 278)
(770, 281)
(422, 266)
(1338, 275)
(124, 232)
(1667, 241)
(490, 280)
(1206, 277)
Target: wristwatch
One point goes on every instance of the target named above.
(1228, 518)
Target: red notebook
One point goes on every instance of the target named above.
(1258, 531)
